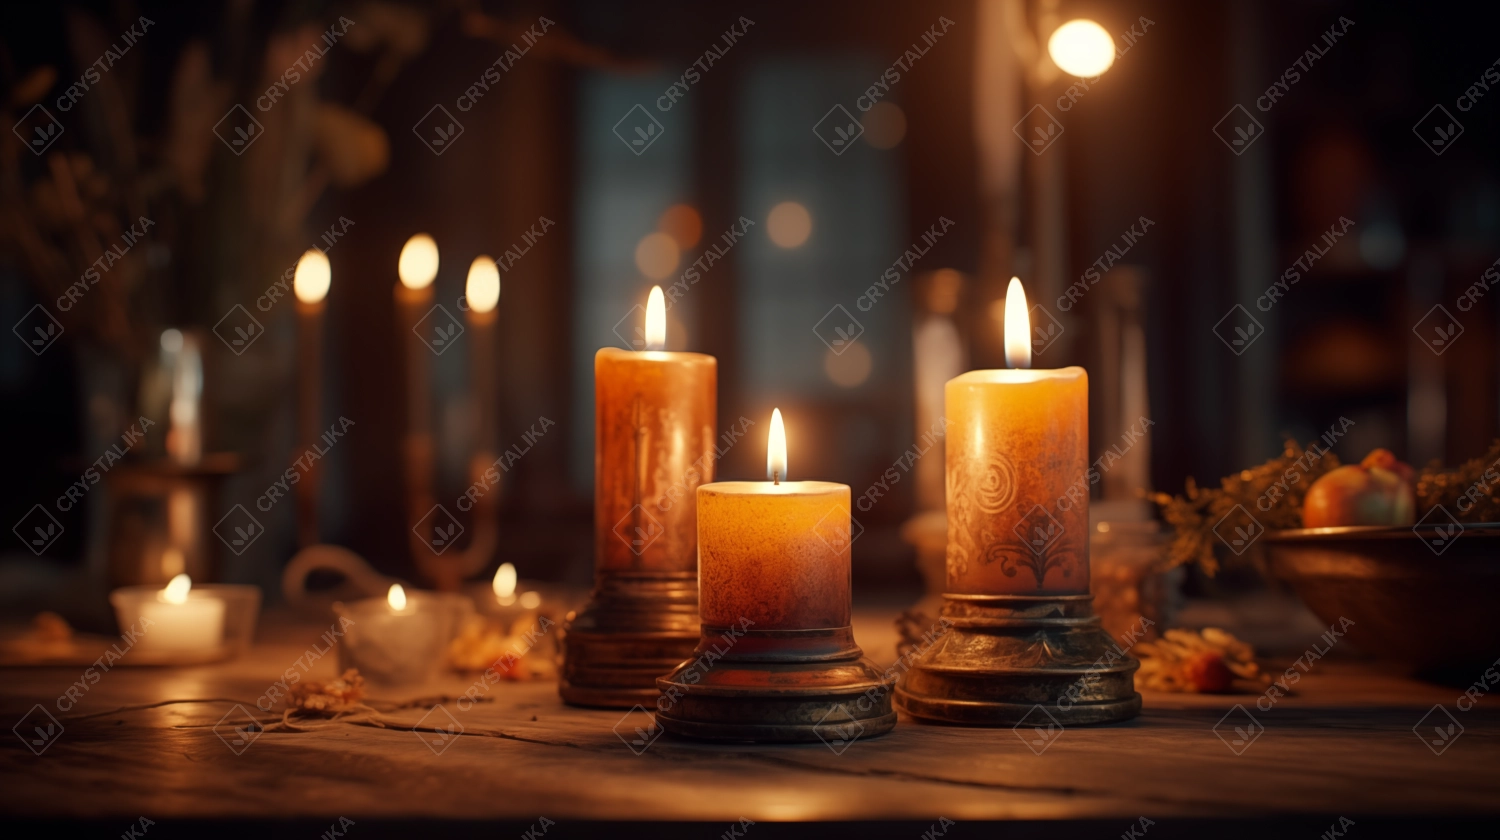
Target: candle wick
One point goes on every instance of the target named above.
(776, 477)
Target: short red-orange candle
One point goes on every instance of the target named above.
(1017, 457)
(774, 552)
(654, 416)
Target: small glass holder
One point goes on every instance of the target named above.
(400, 647)
(232, 632)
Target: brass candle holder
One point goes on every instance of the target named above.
(743, 684)
(1005, 655)
(635, 627)
(654, 415)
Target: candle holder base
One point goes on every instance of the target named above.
(776, 686)
(634, 628)
(1006, 657)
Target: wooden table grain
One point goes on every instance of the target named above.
(1343, 744)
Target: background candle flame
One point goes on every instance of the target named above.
(1017, 326)
(396, 597)
(776, 448)
(483, 288)
(177, 590)
(656, 320)
(505, 581)
(311, 280)
(418, 264)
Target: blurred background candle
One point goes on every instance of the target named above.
(311, 287)
(395, 640)
(417, 268)
(653, 445)
(1017, 454)
(775, 552)
(185, 409)
(180, 621)
(482, 291)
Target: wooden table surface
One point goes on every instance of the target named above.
(1342, 745)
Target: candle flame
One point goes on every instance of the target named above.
(177, 590)
(396, 597)
(531, 600)
(776, 448)
(483, 289)
(419, 262)
(1017, 326)
(504, 583)
(656, 320)
(311, 280)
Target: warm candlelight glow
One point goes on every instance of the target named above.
(656, 320)
(504, 583)
(311, 280)
(1081, 48)
(1017, 326)
(776, 448)
(531, 600)
(396, 597)
(483, 289)
(177, 590)
(419, 262)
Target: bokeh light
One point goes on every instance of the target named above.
(885, 125)
(789, 224)
(656, 255)
(849, 369)
(683, 224)
(1081, 48)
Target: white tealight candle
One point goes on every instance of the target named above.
(181, 621)
(395, 642)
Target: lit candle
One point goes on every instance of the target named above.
(311, 287)
(395, 641)
(181, 621)
(1017, 450)
(504, 606)
(482, 292)
(775, 552)
(654, 415)
(417, 268)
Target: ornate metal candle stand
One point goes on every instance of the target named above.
(635, 627)
(1007, 654)
(775, 685)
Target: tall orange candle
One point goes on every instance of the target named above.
(654, 416)
(1017, 448)
(774, 552)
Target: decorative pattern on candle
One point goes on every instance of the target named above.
(653, 445)
(1017, 441)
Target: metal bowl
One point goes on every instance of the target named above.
(1416, 596)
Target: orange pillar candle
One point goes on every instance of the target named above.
(1017, 453)
(654, 416)
(774, 552)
